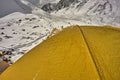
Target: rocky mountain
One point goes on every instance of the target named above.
(63, 4)
(82, 7)
(63, 7)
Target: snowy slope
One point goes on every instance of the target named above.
(22, 32)
(63, 7)
(91, 11)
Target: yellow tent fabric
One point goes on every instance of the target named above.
(76, 53)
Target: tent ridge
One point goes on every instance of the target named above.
(94, 59)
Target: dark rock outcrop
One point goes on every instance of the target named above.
(3, 66)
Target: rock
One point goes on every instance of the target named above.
(49, 7)
(2, 33)
(7, 37)
(2, 28)
(3, 66)
(23, 29)
(0, 39)
(35, 26)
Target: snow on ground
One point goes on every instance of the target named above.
(22, 33)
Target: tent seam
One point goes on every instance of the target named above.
(95, 61)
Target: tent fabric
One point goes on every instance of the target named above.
(76, 53)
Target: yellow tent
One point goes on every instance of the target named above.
(76, 53)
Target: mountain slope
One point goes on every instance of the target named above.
(23, 32)
(89, 7)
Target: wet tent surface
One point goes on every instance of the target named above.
(76, 53)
